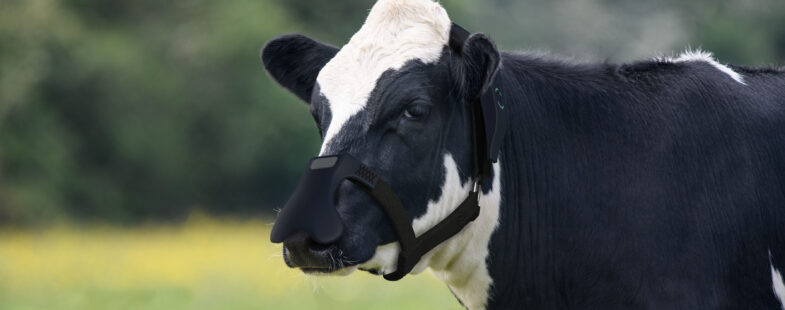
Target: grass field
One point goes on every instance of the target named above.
(201, 264)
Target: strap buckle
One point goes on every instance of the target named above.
(476, 185)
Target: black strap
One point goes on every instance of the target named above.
(395, 211)
(482, 162)
(458, 37)
(482, 165)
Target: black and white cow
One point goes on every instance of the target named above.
(658, 184)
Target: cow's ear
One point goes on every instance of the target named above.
(295, 60)
(481, 61)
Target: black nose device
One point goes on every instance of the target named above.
(311, 209)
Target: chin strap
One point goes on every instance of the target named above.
(413, 248)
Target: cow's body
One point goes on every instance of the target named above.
(654, 185)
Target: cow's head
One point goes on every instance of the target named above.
(396, 97)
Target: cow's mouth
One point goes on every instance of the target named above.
(347, 269)
(314, 258)
(331, 266)
(328, 271)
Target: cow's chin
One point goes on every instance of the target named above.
(345, 271)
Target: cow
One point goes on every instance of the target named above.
(657, 184)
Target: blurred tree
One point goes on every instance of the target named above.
(34, 151)
(338, 19)
(743, 32)
(144, 110)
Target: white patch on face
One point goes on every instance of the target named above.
(777, 283)
(395, 32)
(460, 261)
(707, 57)
(385, 260)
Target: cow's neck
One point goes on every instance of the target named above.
(549, 95)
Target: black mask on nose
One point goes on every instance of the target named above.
(314, 197)
(311, 210)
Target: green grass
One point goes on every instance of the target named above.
(203, 264)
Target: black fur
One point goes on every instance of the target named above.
(295, 60)
(653, 185)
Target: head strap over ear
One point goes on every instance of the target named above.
(487, 113)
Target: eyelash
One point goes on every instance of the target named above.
(414, 112)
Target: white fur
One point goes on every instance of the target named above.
(460, 261)
(777, 283)
(707, 57)
(395, 32)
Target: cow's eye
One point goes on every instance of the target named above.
(415, 111)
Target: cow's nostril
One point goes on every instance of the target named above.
(318, 247)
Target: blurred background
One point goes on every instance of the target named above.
(143, 148)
